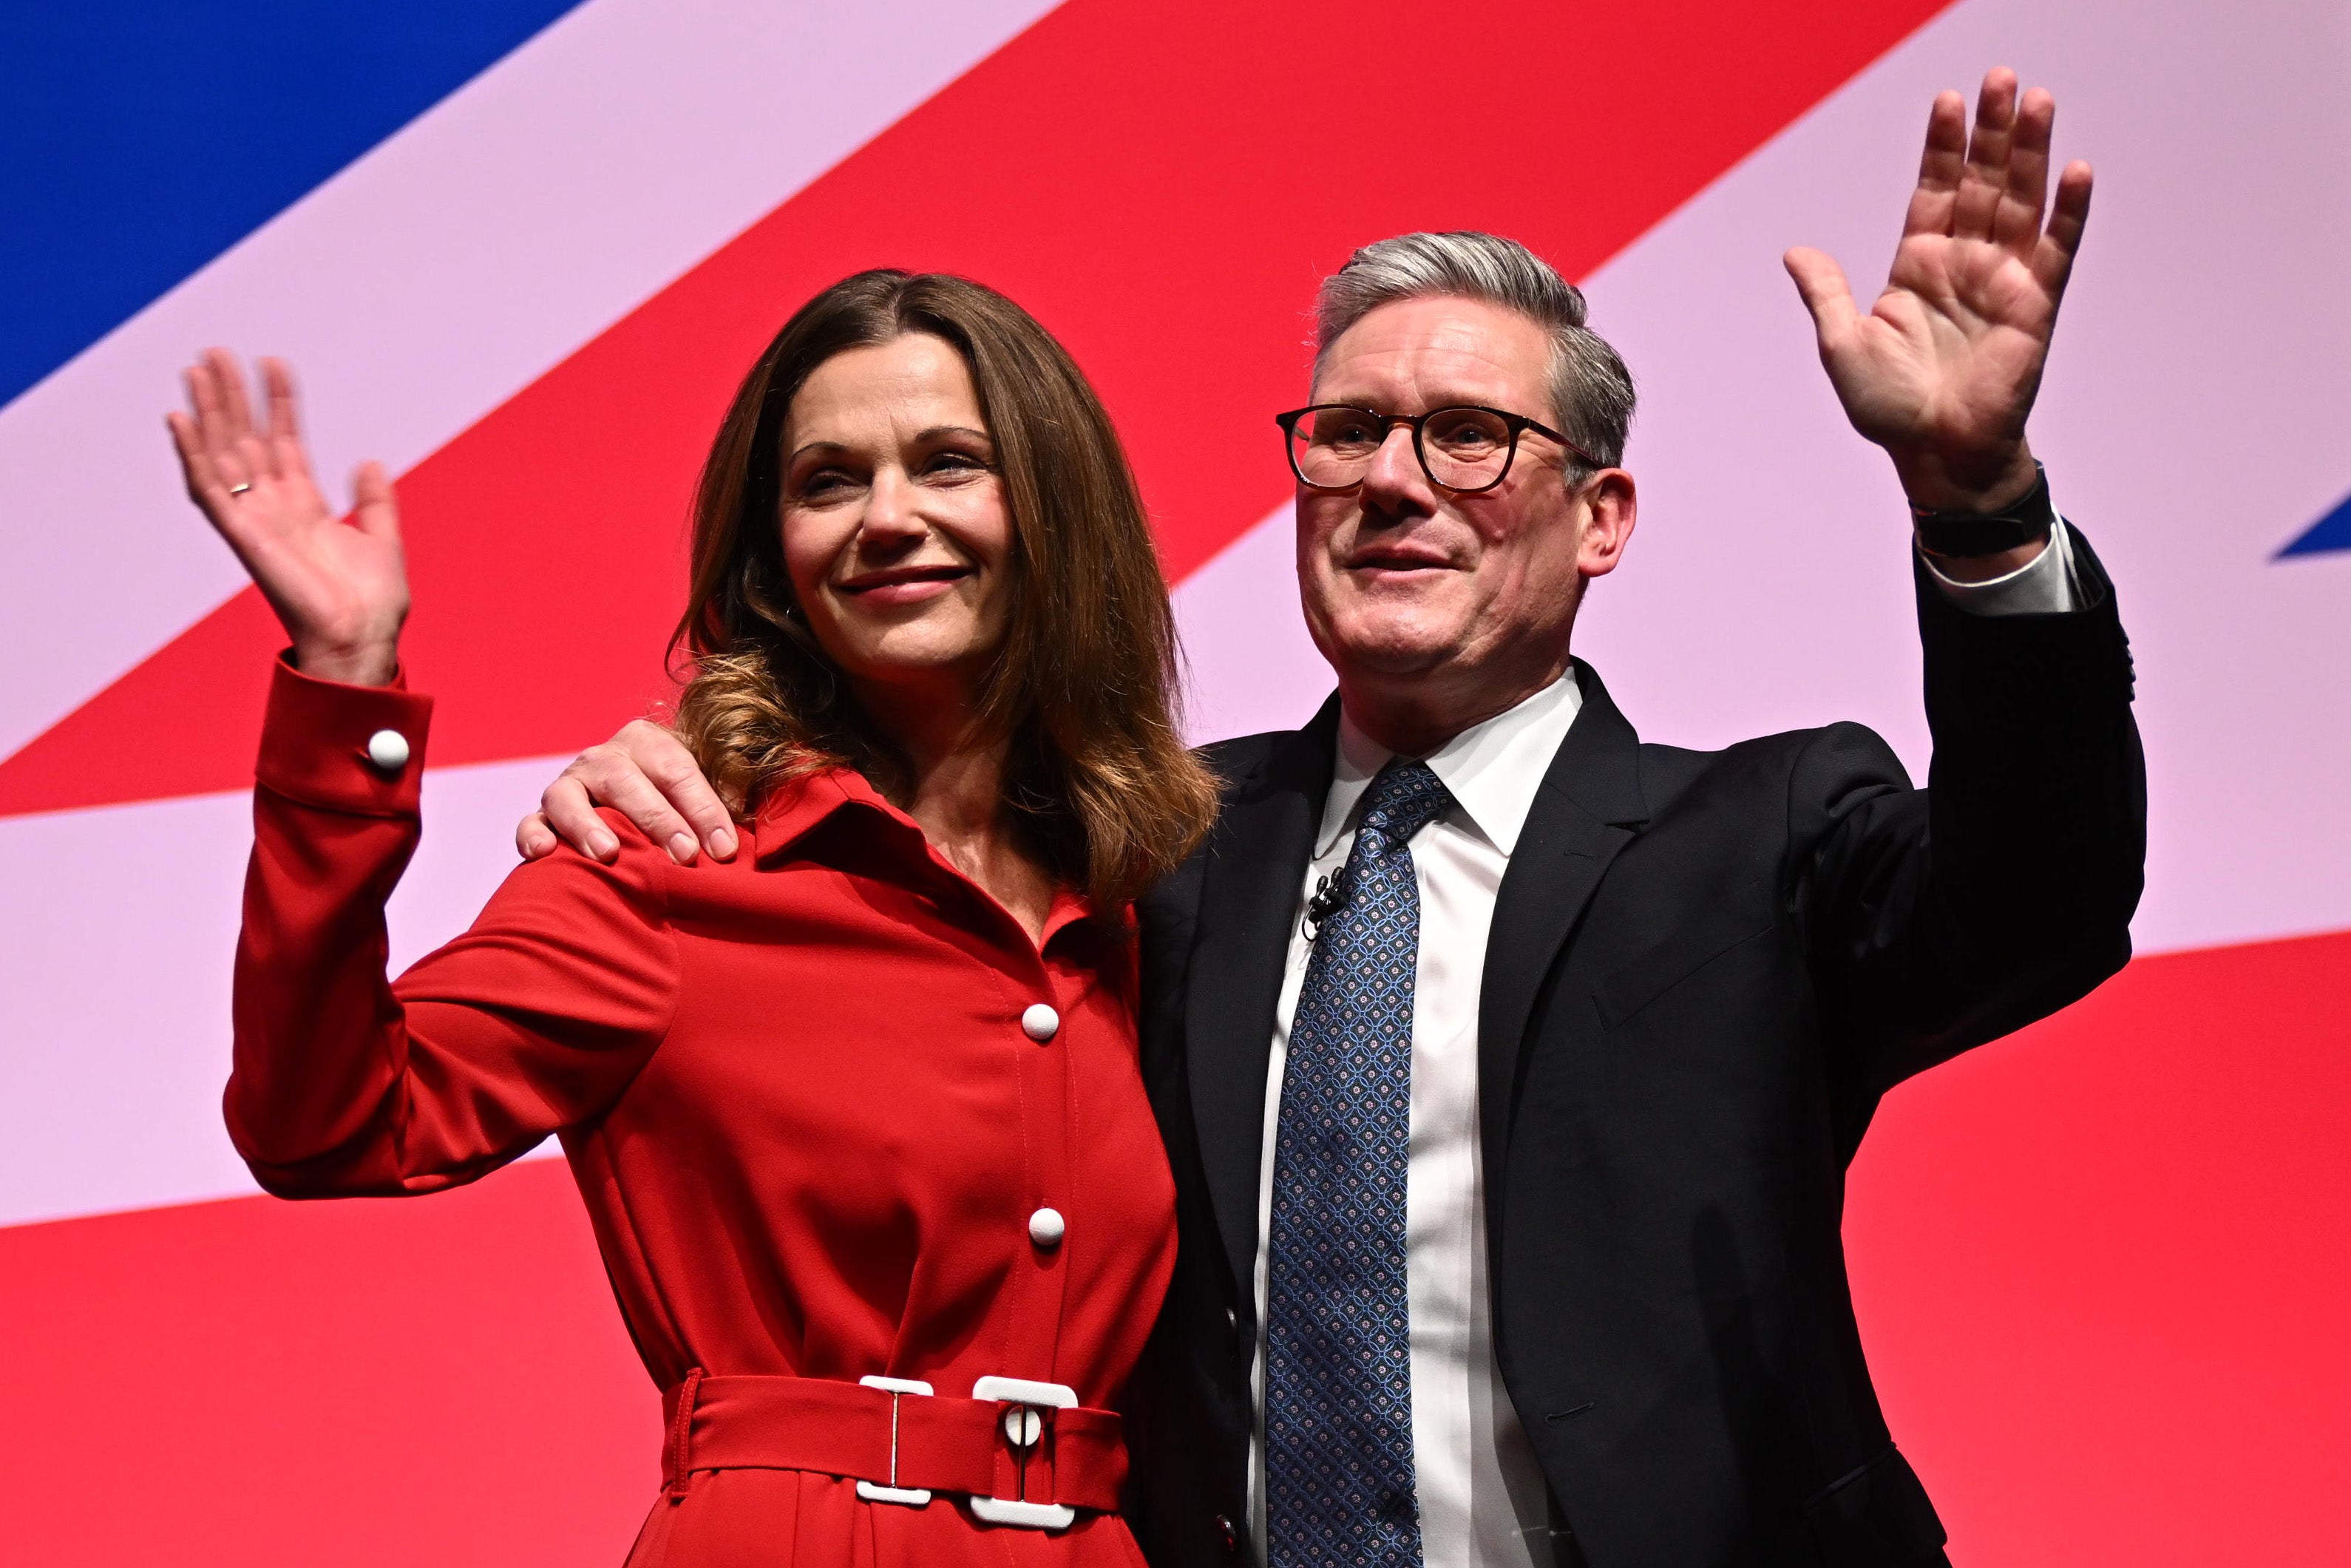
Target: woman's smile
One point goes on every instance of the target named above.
(905, 584)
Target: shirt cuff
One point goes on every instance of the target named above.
(2048, 584)
(356, 749)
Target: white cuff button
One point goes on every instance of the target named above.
(1046, 1227)
(388, 750)
(1041, 1023)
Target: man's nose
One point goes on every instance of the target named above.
(1395, 484)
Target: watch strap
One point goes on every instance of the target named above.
(2028, 517)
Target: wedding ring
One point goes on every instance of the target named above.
(238, 489)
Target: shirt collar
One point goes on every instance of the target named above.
(795, 810)
(1493, 768)
(792, 812)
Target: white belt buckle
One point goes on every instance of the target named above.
(912, 1496)
(1024, 1426)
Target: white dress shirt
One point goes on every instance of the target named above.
(1482, 1498)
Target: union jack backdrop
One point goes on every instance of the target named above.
(521, 250)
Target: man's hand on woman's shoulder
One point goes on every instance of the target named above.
(647, 775)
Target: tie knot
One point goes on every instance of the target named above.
(1402, 800)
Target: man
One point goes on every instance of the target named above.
(1509, 1067)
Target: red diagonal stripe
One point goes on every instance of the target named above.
(1162, 186)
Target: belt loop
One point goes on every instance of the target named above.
(678, 1455)
(912, 1496)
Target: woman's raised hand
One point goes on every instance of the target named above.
(340, 589)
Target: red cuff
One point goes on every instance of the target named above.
(339, 747)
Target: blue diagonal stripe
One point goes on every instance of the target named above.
(2331, 532)
(138, 139)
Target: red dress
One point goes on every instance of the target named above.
(805, 1097)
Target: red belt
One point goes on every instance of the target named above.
(1025, 1453)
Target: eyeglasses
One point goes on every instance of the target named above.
(1465, 449)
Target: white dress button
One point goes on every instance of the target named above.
(1046, 1227)
(388, 750)
(1041, 1023)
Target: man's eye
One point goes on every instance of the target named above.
(1468, 433)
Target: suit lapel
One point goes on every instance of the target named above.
(1256, 865)
(1586, 811)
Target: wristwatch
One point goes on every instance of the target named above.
(2023, 520)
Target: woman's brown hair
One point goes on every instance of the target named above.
(1083, 693)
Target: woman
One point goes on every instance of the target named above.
(856, 1113)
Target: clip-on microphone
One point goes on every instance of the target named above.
(1329, 898)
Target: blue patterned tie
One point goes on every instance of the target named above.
(1338, 1359)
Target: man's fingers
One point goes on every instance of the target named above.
(2052, 260)
(672, 769)
(534, 840)
(613, 778)
(2017, 224)
(1987, 171)
(1825, 292)
(574, 816)
(1941, 167)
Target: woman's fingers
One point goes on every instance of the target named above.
(209, 486)
(224, 435)
(254, 460)
(277, 384)
(373, 508)
(227, 454)
(204, 403)
(236, 406)
(206, 488)
(284, 434)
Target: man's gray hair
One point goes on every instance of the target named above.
(1591, 390)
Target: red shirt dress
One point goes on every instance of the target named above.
(834, 1115)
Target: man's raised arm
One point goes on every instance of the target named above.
(2004, 891)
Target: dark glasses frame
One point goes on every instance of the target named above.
(1515, 423)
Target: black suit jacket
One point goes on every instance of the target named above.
(1705, 970)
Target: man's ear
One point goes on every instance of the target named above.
(1611, 505)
